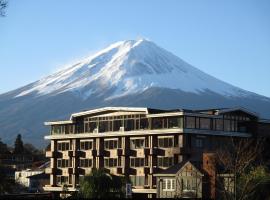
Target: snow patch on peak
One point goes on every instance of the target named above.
(128, 67)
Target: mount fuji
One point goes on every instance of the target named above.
(126, 73)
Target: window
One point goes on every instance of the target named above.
(157, 123)
(63, 146)
(86, 162)
(144, 123)
(205, 123)
(165, 142)
(168, 184)
(189, 184)
(190, 122)
(117, 124)
(129, 125)
(137, 162)
(227, 125)
(86, 145)
(175, 122)
(61, 180)
(110, 162)
(137, 180)
(137, 143)
(165, 161)
(111, 144)
(199, 142)
(63, 163)
(219, 124)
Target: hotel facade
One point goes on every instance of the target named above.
(139, 143)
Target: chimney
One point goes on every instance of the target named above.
(209, 166)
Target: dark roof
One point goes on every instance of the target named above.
(39, 176)
(175, 168)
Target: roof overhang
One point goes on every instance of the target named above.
(58, 122)
(238, 109)
(105, 109)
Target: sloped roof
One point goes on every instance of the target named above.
(177, 168)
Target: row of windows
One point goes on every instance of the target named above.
(63, 146)
(86, 162)
(138, 162)
(86, 145)
(120, 123)
(114, 162)
(214, 124)
(168, 184)
(166, 142)
(111, 144)
(111, 162)
(63, 163)
(62, 180)
(137, 180)
(165, 161)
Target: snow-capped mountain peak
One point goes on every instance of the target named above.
(128, 67)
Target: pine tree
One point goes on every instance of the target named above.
(18, 145)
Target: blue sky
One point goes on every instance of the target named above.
(228, 39)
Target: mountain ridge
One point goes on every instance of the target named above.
(127, 73)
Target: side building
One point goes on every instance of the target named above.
(139, 142)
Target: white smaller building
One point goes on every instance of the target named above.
(21, 177)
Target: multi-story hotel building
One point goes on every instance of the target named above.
(138, 142)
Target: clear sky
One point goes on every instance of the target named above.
(228, 39)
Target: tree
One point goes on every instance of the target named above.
(18, 145)
(3, 5)
(240, 158)
(100, 184)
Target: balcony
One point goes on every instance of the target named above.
(147, 151)
(146, 170)
(53, 154)
(129, 152)
(50, 170)
(76, 153)
(126, 171)
(119, 152)
(103, 153)
(94, 152)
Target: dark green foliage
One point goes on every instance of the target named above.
(18, 145)
(3, 5)
(100, 184)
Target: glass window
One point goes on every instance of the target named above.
(111, 144)
(129, 124)
(165, 142)
(110, 162)
(199, 142)
(137, 143)
(137, 180)
(168, 184)
(117, 124)
(175, 122)
(157, 123)
(137, 162)
(144, 123)
(165, 161)
(227, 125)
(205, 123)
(190, 122)
(219, 124)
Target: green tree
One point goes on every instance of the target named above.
(254, 184)
(18, 145)
(100, 184)
(3, 5)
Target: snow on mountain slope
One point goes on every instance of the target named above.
(129, 67)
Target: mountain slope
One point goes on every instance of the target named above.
(127, 73)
